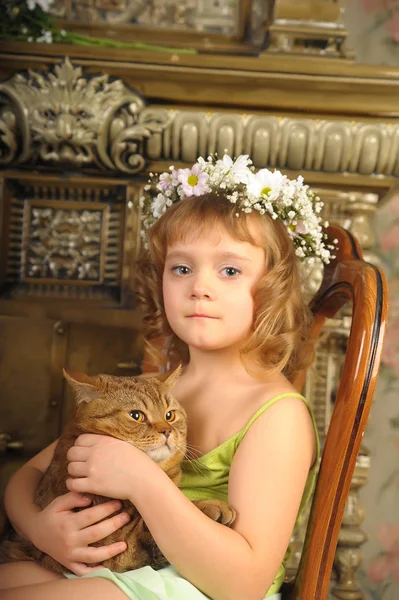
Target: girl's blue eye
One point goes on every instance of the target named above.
(180, 270)
(231, 271)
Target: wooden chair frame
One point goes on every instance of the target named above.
(347, 278)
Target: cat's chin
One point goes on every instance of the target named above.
(159, 454)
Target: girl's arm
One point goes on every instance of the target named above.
(267, 479)
(57, 530)
(20, 491)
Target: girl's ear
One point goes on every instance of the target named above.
(85, 386)
(171, 380)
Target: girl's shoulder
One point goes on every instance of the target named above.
(279, 405)
(266, 391)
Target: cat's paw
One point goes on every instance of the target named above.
(217, 510)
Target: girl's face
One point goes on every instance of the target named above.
(208, 285)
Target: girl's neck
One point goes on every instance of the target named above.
(215, 365)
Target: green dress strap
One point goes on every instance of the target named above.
(264, 407)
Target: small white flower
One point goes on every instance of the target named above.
(301, 228)
(265, 183)
(159, 206)
(168, 181)
(238, 169)
(44, 4)
(46, 37)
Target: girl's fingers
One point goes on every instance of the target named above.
(82, 569)
(71, 500)
(94, 514)
(92, 555)
(77, 469)
(78, 485)
(98, 532)
(88, 439)
(77, 453)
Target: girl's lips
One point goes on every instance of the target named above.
(197, 315)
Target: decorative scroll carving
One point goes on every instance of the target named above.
(65, 118)
(8, 137)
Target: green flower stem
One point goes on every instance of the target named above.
(76, 38)
(85, 40)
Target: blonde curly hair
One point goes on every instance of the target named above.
(280, 338)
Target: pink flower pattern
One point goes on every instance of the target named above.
(386, 11)
(387, 563)
(390, 241)
(390, 351)
(383, 569)
(393, 27)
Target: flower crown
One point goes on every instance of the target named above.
(268, 192)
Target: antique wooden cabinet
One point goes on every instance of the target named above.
(81, 128)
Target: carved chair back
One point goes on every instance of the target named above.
(347, 279)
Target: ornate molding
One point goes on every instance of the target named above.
(64, 118)
(68, 118)
(283, 142)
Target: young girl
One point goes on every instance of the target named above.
(221, 279)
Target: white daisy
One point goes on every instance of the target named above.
(239, 169)
(265, 183)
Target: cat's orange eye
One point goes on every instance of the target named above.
(138, 416)
(170, 416)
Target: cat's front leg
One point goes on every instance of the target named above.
(217, 510)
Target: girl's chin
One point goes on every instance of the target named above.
(212, 345)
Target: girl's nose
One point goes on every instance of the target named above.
(200, 289)
(198, 293)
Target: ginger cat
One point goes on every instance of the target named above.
(140, 411)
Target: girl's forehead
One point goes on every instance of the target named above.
(212, 240)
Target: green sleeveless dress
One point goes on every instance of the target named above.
(203, 478)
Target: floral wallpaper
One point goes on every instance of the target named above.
(373, 27)
(380, 497)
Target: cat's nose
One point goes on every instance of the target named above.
(166, 431)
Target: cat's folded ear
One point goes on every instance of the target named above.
(173, 377)
(85, 386)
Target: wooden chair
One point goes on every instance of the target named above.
(348, 278)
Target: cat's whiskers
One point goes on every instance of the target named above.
(191, 453)
(194, 450)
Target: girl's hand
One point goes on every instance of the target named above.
(106, 466)
(65, 535)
